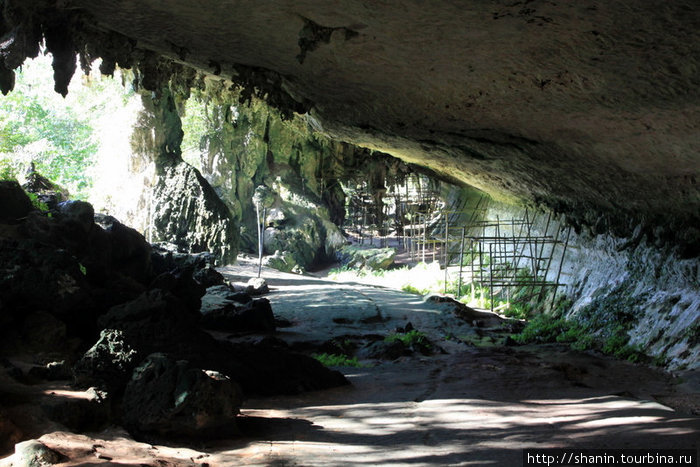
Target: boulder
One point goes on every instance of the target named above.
(108, 364)
(79, 212)
(208, 276)
(354, 256)
(254, 316)
(155, 321)
(44, 188)
(89, 412)
(9, 433)
(257, 286)
(382, 350)
(473, 317)
(130, 252)
(169, 397)
(34, 453)
(14, 202)
(42, 331)
(167, 256)
(181, 284)
(52, 371)
(265, 370)
(282, 261)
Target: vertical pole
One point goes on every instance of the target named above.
(561, 265)
(447, 238)
(461, 260)
(425, 234)
(491, 275)
(260, 240)
(471, 261)
(555, 240)
(447, 226)
(362, 222)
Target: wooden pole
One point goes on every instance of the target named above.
(461, 260)
(260, 239)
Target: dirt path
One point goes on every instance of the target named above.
(467, 406)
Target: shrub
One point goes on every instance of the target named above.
(337, 360)
(413, 339)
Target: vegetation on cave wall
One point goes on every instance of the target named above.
(239, 146)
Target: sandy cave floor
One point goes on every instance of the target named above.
(466, 406)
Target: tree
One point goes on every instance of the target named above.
(56, 134)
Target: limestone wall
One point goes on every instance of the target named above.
(613, 281)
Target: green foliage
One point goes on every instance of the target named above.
(195, 126)
(413, 338)
(543, 328)
(83, 269)
(553, 328)
(38, 125)
(337, 360)
(7, 170)
(411, 289)
(37, 203)
(518, 310)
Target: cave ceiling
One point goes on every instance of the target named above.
(589, 106)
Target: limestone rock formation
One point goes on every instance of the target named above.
(108, 363)
(34, 453)
(169, 397)
(587, 110)
(189, 214)
(370, 258)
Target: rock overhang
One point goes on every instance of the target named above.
(589, 109)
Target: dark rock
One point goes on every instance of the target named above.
(9, 433)
(154, 321)
(34, 453)
(11, 370)
(14, 202)
(80, 212)
(169, 397)
(47, 191)
(468, 314)
(166, 257)
(44, 332)
(181, 284)
(283, 323)
(383, 350)
(107, 364)
(255, 316)
(263, 369)
(227, 292)
(130, 252)
(257, 286)
(35, 274)
(89, 413)
(208, 277)
(52, 371)
(241, 297)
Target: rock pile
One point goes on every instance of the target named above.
(90, 298)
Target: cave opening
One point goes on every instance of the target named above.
(496, 286)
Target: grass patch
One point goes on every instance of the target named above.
(414, 340)
(554, 328)
(337, 360)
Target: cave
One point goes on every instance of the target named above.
(527, 171)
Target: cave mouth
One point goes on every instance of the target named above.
(155, 329)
